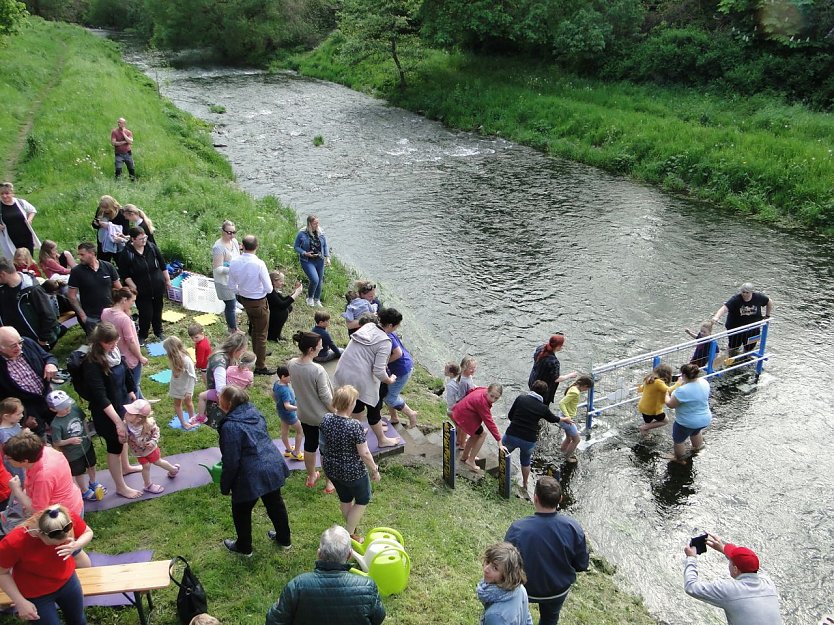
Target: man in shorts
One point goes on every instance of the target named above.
(746, 307)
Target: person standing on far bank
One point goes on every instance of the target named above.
(313, 253)
(249, 278)
(122, 141)
(553, 549)
(748, 598)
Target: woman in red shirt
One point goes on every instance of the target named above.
(37, 570)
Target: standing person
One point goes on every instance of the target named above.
(183, 380)
(502, 589)
(553, 548)
(122, 141)
(363, 365)
(700, 356)
(36, 570)
(568, 407)
(284, 398)
(747, 598)
(112, 227)
(137, 218)
(111, 387)
(523, 432)
(331, 593)
(547, 368)
(314, 398)
(69, 435)
(202, 346)
(227, 354)
(92, 280)
(143, 440)
(346, 459)
(25, 306)
(400, 365)
(746, 307)
(223, 252)
(16, 216)
(471, 414)
(280, 306)
(143, 268)
(119, 314)
(653, 397)
(26, 370)
(313, 253)
(253, 469)
(451, 372)
(249, 278)
(692, 414)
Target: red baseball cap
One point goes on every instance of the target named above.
(744, 559)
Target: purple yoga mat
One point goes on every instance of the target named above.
(102, 559)
(192, 475)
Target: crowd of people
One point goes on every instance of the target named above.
(48, 468)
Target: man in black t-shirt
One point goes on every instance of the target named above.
(741, 309)
(92, 280)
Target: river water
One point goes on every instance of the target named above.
(489, 247)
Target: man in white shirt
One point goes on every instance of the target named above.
(249, 278)
(748, 598)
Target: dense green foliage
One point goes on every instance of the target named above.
(755, 155)
(12, 14)
(186, 188)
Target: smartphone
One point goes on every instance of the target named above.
(699, 542)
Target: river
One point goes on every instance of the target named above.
(489, 247)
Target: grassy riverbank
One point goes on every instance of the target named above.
(754, 155)
(64, 90)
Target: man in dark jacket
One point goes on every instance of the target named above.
(330, 594)
(25, 371)
(25, 306)
(553, 548)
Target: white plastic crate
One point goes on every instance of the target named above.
(198, 294)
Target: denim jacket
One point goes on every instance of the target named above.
(302, 244)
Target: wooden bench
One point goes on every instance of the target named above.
(137, 579)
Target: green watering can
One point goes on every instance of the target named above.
(383, 559)
(214, 471)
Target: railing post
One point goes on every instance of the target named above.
(713, 350)
(762, 345)
(589, 415)
(655, 362)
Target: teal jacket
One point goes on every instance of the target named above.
(330, 595)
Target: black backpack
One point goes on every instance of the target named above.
(75, 361)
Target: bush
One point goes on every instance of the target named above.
(118, 14)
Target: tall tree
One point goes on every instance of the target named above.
(379, 28)
(12, 13)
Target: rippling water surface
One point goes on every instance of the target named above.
(489, 247)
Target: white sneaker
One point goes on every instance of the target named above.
(319, 304)
(311, 301)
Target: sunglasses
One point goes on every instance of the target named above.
(59, 533)
(230, 231)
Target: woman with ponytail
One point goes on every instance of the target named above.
(546, 367)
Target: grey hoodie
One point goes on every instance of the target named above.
(364, 361)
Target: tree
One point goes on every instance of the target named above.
(12, 13)
(378, 28)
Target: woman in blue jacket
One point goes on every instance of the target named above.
(252, 469)
(311, 247)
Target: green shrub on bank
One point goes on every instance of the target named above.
(752, 154)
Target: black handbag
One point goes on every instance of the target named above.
(191, 598)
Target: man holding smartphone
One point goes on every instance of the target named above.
(748, 598)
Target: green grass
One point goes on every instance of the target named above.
(754, 155)
(187, 188)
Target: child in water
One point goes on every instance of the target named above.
(143, 440)
(701, 355)
(652, 403)
(568, 407)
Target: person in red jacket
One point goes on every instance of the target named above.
(470, 414)
(37, 570)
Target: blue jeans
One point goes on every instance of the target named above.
(549, 610)
(315, 274)
(229, 313)
(137, 375)
(393, 399)
(525, 448)
(69, 598)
